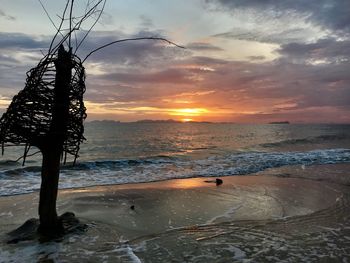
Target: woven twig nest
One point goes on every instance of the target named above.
(27, 120)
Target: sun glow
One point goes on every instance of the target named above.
(188, 112)
(181, 114)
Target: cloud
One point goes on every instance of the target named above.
(146, 22)
(6, 16)
(255, 58)
(325, 50)
(271, 34)
(310, 77)
(179, 76)
(290, 83)
(23, 41)
(200, 46)
(269, 88)
(132, 53)
(106, 18)
(329, 14)
(127, 53)
(18, 53)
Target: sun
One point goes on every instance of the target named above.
(188, 112)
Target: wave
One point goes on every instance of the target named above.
(308, 140)
(103, 172)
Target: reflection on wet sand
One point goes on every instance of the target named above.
(258, 218)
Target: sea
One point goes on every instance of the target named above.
(122, 153)
(168, 230)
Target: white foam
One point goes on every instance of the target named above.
(157, 169)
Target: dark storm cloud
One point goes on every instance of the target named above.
(329, 14)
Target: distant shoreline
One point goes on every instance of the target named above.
(206, 122)
(153, 121)
(279, 122)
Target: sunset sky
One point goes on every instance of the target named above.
(250, 61)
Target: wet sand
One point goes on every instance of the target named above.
(255, 217)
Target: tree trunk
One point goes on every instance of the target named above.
(52, 146)
(50, 170)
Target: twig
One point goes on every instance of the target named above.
(77, 25)
(59, 28)
(93, 25)
(29, 155)
(47, 14)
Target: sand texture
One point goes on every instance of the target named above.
(189, 220)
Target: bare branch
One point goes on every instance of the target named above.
(132, 39)
(27, 155)
(93, 25)
(47, 14)
(78, 24)
(59, 28)
(70, 22)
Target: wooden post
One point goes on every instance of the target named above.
(52, 146)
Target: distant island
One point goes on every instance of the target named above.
(145, 121)
(157, 121)
(279, 122)
(104, 121)
(169, 121)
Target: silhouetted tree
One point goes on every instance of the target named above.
(49, 112)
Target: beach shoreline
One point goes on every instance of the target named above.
(275, 198)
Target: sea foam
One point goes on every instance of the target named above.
(104, 172)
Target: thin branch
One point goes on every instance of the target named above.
(93, 25)
(28, 155)
(78, 24)
(47, 14)
(132, 39)
(76, 39)
(60, 26)
(70, 23)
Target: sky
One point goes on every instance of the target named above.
(245, 61)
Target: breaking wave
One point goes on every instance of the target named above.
(104, 172)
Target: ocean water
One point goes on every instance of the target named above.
(119, 153)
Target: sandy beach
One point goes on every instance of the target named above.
(272, 214)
